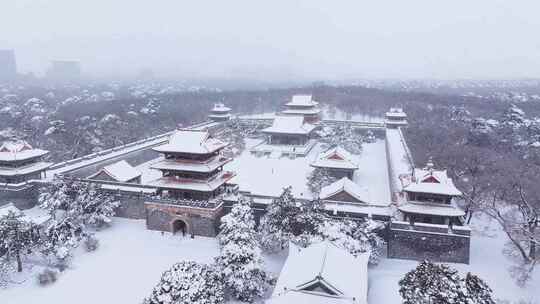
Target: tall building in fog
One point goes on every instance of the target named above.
(8, 65)
(64, 70)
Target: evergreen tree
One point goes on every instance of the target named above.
(275, 224)
(238, 226)
(439, 284)
(188, 282)
(240, 261)
(318, 179)
(96, 207)
(478, 290)
(17, 237)
(286, 220)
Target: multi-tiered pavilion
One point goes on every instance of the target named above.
(430, 197)
(305, 106)
(220, 112)
(20, 162)
(192, 167)
(395, 118)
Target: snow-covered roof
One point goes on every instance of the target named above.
(336, 157)
(429, 180)
(302, 101)
(191, 141)
(431, 209)
(343, 276)
(173, 182)
(121, 171)
(308, 111)
(23, 170)
(191, 166)
(220, 107)
(345, 185)
(19, 150)
(290, 125)
(396, 113)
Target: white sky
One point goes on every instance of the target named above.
(279, 38)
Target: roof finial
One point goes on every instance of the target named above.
(430, 165)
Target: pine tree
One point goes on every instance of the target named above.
(439, 284)
(17, 237)
(96, 207)
(188, 282)
(275, 224)
(238, 226)
(478, 291)
(240, 260)
(318, 179)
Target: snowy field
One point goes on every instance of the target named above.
(131, 259)
(266, 175)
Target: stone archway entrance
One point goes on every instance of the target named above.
(179, 226)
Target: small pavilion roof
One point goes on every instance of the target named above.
(337, 158)
(290, 125)
(121, 171)
(220, 107)
(343, 276)
(396, 113)
(19, 150)
(191, 141)
(302, 101)
(429, 180)
(345, 185)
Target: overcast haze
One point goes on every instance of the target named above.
(274, 39)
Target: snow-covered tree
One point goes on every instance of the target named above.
(478, 290)
(56, 196)
(431, 283)
(240, 260)
(238, 226)
(357, 236)
(318, 179)
(78, 201)
(287, 219)
(188, 282)
(343, 135)
(274, 226)
(17, 237)
(96, 207)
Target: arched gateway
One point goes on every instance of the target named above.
(179, 226)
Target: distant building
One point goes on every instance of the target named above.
(19, 162)
(121, 172)
(64, 70)
(345, 190)
(305, 106)
(337, 161)
(220, 112)
(8, 65)
(322, 273)
(289, 130)
(396, 118)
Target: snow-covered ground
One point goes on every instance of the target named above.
(124, 269)
(131, 259)
(266, 175)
